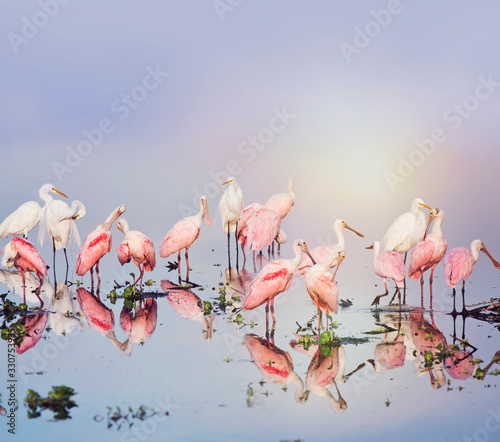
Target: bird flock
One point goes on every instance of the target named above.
(255, 227)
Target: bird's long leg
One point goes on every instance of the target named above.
(228, 249)
(236, 242)
(464, 310)
(272, 313)
(179, 264)
(267, 314)
(98, 276)
(454, 312)
(269, 252)
(399, 298)
(393, 296)
(54, 261)
(376, 301)
(24, 285)
(244, 256)
(67, 265)
(404, 280)
(279, 249)
(319, 322)
(422, 288)
(187, 263)
(91, 279)
(430, 288)
(140, 275)
(273, 249)
(38, 291)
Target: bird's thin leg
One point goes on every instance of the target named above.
(179, 264)
(236, 242)
(404, 280)
(430, 287)
(464, 310)
(422, 288)
(91, 279)
(228, 244)
(272, 313)
(393, 296)
(54, 262)
(376, 301)
(454, 312)
(399, 298)
(98, 276)
(269, 252)
(431, 278)
(187, 263)
(38, 292)
(273, 250)
(279, 249)
(319, 323)
(67, 265)
(140, 275)
(244, 256)
(267, 314)
(24, 286)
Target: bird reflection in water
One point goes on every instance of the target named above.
(274, 364)
(390, 354)
(64, 317)
(323, 372)
(14, 281)
(429, 341)
(34, 326)
(139, 325)
(99, 317)
(188, 306)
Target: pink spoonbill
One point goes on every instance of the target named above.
(136, 246)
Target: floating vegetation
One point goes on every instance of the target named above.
(58, 401)
(116, 418)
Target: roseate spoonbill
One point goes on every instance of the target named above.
(323, 372)
(27, 216)
(272, 280)
(459, 263)
(188, 306)
(274, 364)
(139, 325)
(184, 233)
(136, 246)
(321, 253)
(429, 252)
(460, 364)
(263, 227)
(242, 228)
(99, 317)
(34, 326)
(58, 218)
(389, 354)
(388, 264)
(280, 239)
(321, 286)
(282, 202)
(230, 206)
(23, 255)
(407, 229)
(96, 245)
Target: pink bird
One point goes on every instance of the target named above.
(34, 326)
(274, 364)
(460, 364)
(459, 263)
(96, 245)
(188, 306)
(99, 317)
(139, 325)
(320, 253)
(323, 372)
(321, 286)
(388, 264)
(184, 233)
(390, 355)
(242, 228)
(136, 246)
(23, 255)
(429, 252)
(263, 227)
(282, 202)
(272, 280)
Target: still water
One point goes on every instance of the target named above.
(193, 367)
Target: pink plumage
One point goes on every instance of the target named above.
(263, 226)
(272, 280)
(141, 324)
(180, 236)
(95, 246)
(389, 264)
(282, 202)
(458, 266)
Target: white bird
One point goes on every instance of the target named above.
(27, 216)
(230, 206)
(407, 229)
(59, 220)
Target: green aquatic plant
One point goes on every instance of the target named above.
(58, 401)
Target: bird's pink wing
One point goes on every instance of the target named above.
(281, 204)
(126, 320)
(148, 250)
(263, 226)
(271, 280)
(182, 235)
(152, 316)
(243, 218)
(29, 254)
(458, 265)
(420, 256)
(390, 264)
(123, 252)
(96, 245)
(34, 325)
(327, 292)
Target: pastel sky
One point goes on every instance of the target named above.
(361, 85)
